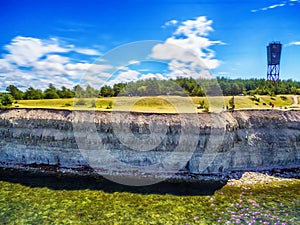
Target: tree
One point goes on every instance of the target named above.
(197, 91)
(231, 102)
(152, 87)
(106, 91)
(32, 93)
(15, 92)
(79, 91)
(65, 93)
(118, 89)
(7, 99)
(51, 92)
(142, 90)
(91, 92)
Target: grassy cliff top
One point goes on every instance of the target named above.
(162, 104)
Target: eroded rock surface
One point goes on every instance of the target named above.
(205, 143)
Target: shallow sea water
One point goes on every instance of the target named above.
(36, 198)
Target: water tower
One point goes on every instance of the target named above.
(274, 52)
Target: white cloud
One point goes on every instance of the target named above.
(199, 27)
(293, 43)
(5, 66)
(57, 59)
(122, 68)
(134, 62)
(170, 23)
(282, 4)
(188, 49)
(223, 73)
(37, 62)
(192, 47)
(157, 76)
(126, 76)
(87, 51)
(25, 50)
(276, 5)
(187, 53)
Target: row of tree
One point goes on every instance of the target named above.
(154, 87)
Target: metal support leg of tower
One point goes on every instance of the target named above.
(273, 72)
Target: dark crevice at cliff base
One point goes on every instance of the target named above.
(68, 181)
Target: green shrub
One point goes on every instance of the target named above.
(283, 98)
(93, 103)
(109, 106)
(254, 98)
(80, 102)
(7, 99)
(231, 102)
(203, 105)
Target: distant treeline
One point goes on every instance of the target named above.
(154, 87)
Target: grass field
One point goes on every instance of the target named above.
(160, 104)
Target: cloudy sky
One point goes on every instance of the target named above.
(104, 42)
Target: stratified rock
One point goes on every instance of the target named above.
(205, 143)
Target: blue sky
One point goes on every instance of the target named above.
(66, 42)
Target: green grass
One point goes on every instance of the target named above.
(272, 202)
(159, 104)
(46, 103)
(279, 101)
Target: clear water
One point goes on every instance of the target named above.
(35, 198)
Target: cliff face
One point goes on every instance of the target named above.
(200, 143)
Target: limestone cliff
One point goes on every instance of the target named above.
(205, 143)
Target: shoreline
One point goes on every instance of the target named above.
(234, 177)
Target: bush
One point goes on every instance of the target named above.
(283, 98)
(109, 105)
(7, 99)
(80, 102)
(231, 102)
(203, 105)
(51, 95)
(68, 104)
(254, 98)
(206, 108)
(94, 103)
